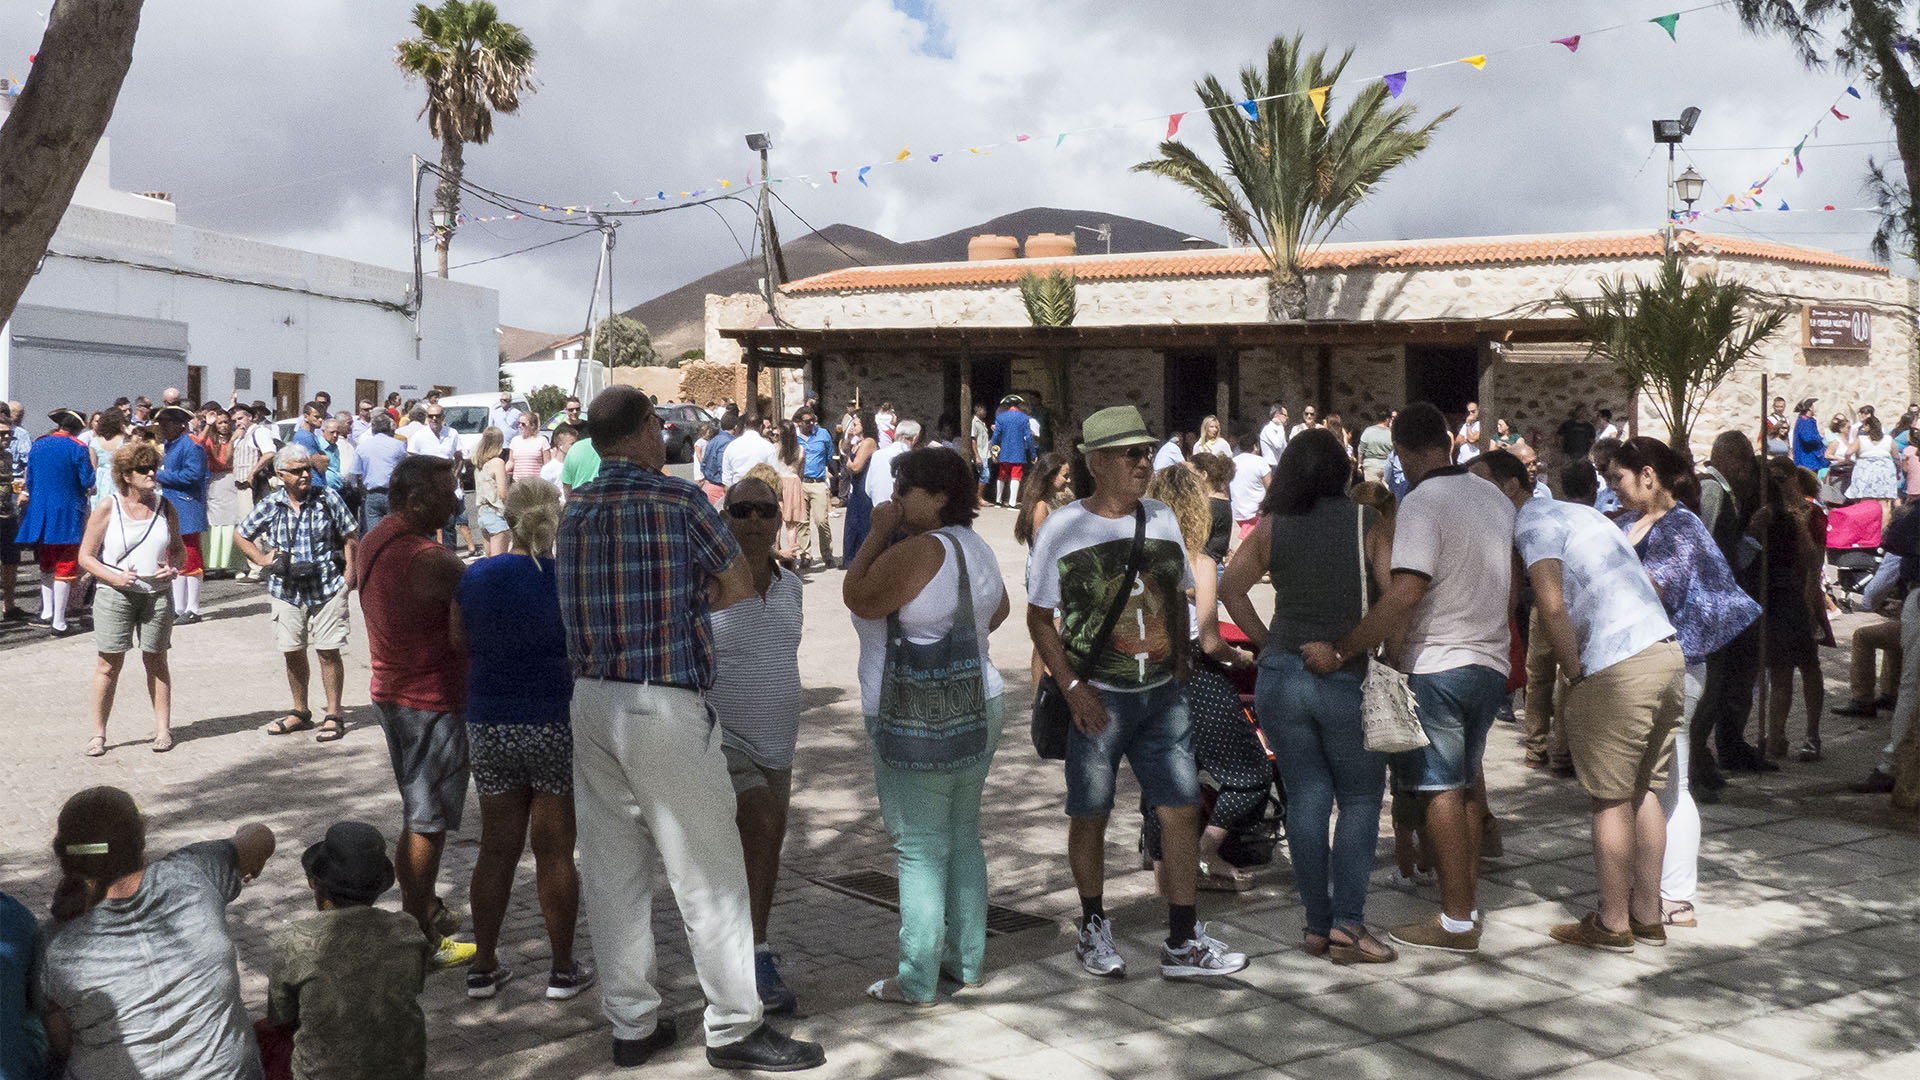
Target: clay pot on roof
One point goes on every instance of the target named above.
(988, 246)
(1048, 245)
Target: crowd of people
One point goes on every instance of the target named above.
(619, 676)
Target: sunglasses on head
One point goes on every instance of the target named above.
(742, 510)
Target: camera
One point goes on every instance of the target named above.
(283, 566)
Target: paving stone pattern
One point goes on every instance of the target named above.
(1806, 963)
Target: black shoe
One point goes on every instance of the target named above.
(766, 1050)
(1563, 770)
(630, 1052)
(1857, 708)
(1704, 775)
(1885, 702)
(187, 618)
(13, 614)
(1878, 782)
(63, 631)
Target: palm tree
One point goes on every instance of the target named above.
(1290, 176)
(474, 65)
(1673, 339)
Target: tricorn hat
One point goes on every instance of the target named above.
(351, 862)
(67, 418)
(179, 414)
(1805, 404)
(1113, 428)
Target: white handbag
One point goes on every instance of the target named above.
(1389, 721)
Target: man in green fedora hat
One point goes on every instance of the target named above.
(1116, 548)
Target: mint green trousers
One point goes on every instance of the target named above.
(934, 820)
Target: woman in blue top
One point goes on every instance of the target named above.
(861, 444)
(53, 515)
(1704, 603)
(506, 614)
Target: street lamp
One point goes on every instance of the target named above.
(442, 219)
(1671, 132)
(1688, 186)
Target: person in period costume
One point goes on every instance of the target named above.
(183, 481)
(54, 512)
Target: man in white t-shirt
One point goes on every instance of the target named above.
(886, 421)
(1452, 595)
(747, 449)
(1169, 453)
(1466, 444)
(1608, 429)
(1127, 691)
(1623, 701)
(1248, 489)
(906, 435)
(1273, 437)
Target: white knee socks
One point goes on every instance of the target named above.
(61, 590)
(193, 593)
(179, 597)
(46, 599)
(1013, 493)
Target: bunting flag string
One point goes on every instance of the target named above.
(1395, 82)
(1748, 200)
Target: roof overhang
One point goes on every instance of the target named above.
(971, 339)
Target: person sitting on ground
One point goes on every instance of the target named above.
(346, 982)
(132, 547)
(756, 697)
(23, 1036)
(117, 1005)
(506, 618)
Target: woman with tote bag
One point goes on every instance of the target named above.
(925, 591)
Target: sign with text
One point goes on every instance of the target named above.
(1834, 327)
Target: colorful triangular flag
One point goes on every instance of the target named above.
(1479, 63)
(862, 177)
(1783, 205)
(1021, 138)
(1058, 141)
(935, 158)
(1829, 206)
(1173, 124)
(1396, 82)
(1799, 170)
(1571, 41)
(1852, 91)
(903, 155)
(1835, 110)
(1252, 108)
(1318, 95)
(1667, 23)
(835, 173)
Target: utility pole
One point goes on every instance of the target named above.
(419, 283)
(585, 382)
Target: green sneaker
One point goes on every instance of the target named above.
(451, 954)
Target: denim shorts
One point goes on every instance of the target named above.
(1456, 707)
(1152, 730)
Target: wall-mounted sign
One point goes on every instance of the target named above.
(1833, 327)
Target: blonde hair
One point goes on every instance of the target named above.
(489, 447)
(1185, 493)
(532, 511)
(1375, 494)
(767, 475)
(130, 456)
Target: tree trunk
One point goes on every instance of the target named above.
(1064, 431)
(55, 123)
(1286, 297)
(446, 195)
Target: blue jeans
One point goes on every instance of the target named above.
(934, 820)
(1456, 709)
(1313, 724)
(1153, 730)
(372, 510)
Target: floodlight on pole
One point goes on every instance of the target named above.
(1671, 133)
(758, 141)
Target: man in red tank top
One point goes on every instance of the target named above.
(407, 581)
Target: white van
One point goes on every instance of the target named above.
(468, 413)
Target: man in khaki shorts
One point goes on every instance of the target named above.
(303, 536)
(1624, 695)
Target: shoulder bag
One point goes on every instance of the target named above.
(1051, 714)
(1389, 721)
(932, 715)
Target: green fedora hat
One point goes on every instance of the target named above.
(1111, 429)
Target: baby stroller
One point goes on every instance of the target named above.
(1853, 552)
(1253, 843)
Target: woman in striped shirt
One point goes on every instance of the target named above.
(528, 450)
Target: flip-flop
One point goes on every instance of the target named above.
(1683, 915)
(888, 990)
(301, 720)
(163, 743)
(97, 746)
(332, 729)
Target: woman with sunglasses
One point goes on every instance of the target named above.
(922, 571)
(756, 697)
(133, 547)
(527, 450)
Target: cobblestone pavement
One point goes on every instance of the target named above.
(1806, 963)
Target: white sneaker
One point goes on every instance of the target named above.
(1202, 956)
(1096, 950)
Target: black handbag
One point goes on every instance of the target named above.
(1052, 716)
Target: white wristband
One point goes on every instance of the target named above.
(1071, 685)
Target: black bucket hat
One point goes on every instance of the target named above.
(351, 862)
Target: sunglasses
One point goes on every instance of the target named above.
(743, 510)
(436, 416)
(296, 472)
(144, 470)
(1138, 453)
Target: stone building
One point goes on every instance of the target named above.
(1184, 334)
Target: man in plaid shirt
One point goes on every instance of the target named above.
(643, 558)
(307, 590)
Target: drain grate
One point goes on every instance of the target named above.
(883, 890)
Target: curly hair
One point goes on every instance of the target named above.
(131, 456)
(1185, 492)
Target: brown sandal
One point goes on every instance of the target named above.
(1354, 950)
(1314, 943)
(294, 720)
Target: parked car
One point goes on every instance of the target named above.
(680, 428)
(467, 414)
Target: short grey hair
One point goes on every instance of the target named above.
(906, 431)
(417, 414)
(290, 455)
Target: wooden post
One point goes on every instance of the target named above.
(750, 401)
(965, 429)
(1222, 390)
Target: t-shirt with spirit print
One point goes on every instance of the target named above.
(1080, 562)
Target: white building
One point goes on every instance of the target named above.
(129, 302)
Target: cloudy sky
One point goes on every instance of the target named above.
(288, 122)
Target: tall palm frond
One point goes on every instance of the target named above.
(1674, 340)
(1290, 179)
(1050, 299)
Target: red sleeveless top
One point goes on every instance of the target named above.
(413, 659)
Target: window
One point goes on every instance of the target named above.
(364, 390)
(196, 385)
(242, 378)
(286, 394)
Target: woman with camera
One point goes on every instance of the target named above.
(132, 546)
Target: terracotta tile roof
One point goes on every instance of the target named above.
(1232, 262)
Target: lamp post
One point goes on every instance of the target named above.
(1672, 132)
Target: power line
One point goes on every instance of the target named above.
(850, 256)
(521, 251)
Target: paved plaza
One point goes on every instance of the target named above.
(1806, 963)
